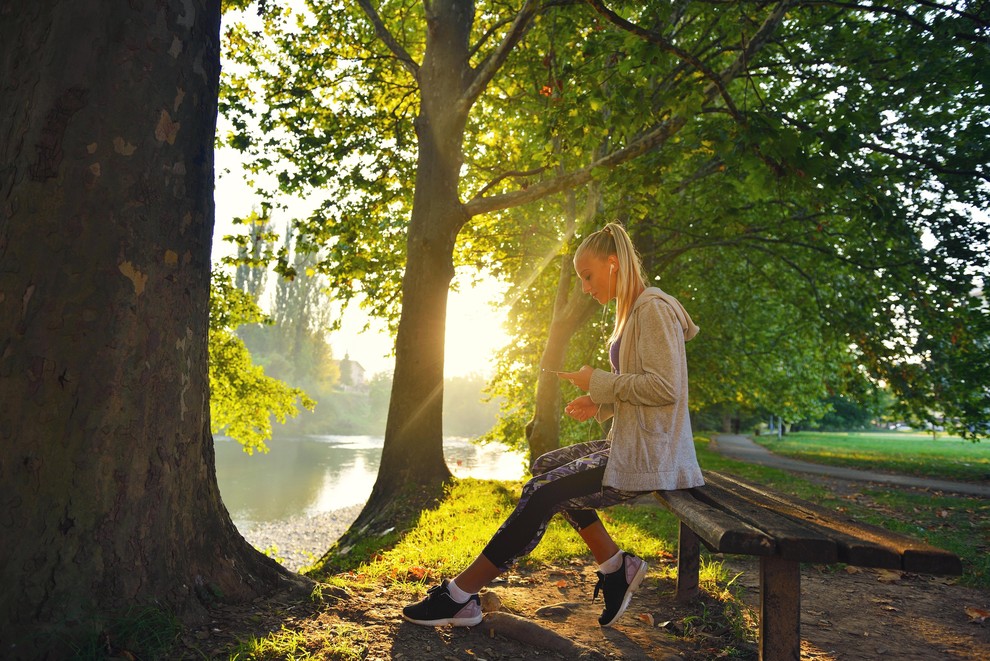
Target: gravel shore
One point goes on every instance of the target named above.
(301, 540)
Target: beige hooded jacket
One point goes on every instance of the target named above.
(652, 444)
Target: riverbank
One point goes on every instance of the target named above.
(301, 540)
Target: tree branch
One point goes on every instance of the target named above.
(376, 21)
(659, 40)
(485, 71)
(505, 175)
(656, 136)
(978, 21)
(928, 163)
(755, 44)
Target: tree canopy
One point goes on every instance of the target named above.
(808, 177)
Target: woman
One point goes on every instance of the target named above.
(649, 446)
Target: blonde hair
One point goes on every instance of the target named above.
(613, 240)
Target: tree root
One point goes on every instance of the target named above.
(531, 633)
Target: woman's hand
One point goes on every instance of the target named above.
(581, 378)
(581, 408)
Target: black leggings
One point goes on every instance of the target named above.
(566, 480)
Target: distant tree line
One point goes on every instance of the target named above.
(290, 345)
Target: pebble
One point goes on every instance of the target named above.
(300, 540)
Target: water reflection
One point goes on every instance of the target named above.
(314, 474)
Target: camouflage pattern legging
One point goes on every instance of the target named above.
(566, 480)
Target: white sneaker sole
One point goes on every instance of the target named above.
(633, 586)
(453, 621)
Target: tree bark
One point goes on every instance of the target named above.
(108, 492)
(572, 309)
(412, 456)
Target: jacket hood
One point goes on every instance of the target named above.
(689, 327)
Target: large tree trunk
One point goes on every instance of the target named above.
(108, 493)
(413, 468)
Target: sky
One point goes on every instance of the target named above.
(474, 327)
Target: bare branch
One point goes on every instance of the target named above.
(755, 44)
(494, 61)
(505, 175)
(651, 140)
(978, 20)
(928, 163)
(404, 58)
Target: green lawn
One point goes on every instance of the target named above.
(946, 457)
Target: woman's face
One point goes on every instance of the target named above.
(598, 276)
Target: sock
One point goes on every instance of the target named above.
(613, 564)
(457, 594)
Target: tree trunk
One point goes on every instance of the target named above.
(413, 465)
(572, 309)
(108, 492)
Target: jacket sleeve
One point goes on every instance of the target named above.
(659, 353)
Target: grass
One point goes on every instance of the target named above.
(341, 642)
(146, 632)
(944, 457)
(448, 538)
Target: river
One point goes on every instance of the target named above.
(312, 475)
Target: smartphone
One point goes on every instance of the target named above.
(544, 369)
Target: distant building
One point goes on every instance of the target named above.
(352, 374)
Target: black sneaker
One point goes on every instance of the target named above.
(619, 586)
(437, 609)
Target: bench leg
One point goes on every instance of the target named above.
(780, 609)
(688, 563)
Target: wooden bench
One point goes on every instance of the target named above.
(731, 515)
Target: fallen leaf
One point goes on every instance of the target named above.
(888, 575)
(853, 570)
(647, 617)
(561, 583)
(977, 614)
(418, 573)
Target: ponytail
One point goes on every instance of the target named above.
(612, 240)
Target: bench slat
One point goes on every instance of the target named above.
(860, 544)
(852, 550)
(720, 531)
(795, 540)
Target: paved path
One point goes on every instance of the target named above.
(742, 448)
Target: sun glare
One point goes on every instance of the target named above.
(475, 329)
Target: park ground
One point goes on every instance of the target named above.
(547, 612)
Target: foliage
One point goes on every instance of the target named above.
(243, 399)
(847, 415)
(810, 192)
(813, 226)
